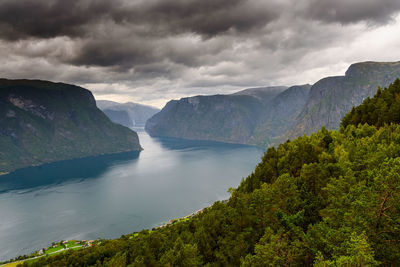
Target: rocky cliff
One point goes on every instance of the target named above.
(246, 117)
(41, 122)
(270, 115)
(332, 97)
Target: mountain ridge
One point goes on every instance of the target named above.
(42, 122)
(261, 122)
(233, 118)
(135, 115)
(332, 97)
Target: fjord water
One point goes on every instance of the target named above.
(107, 196)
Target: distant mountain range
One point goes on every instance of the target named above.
(269, 115)
(252, 116)
(127, 114)
(42, 121)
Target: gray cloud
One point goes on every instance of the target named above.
(344, 11)
(154, 50)
(52, 18)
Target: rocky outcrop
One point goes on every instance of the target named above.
(332, 97)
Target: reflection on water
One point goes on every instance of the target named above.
(171, 143)
(62, 172)
(108, 196)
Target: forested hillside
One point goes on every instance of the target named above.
(383, 109)
(331, 199)
(42, 122)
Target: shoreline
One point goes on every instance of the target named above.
(72, 159)
(175, 220)
(87, 242)
(170, 222)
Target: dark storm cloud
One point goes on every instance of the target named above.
(112, 53)
(50, 18)
(206, 17)
(133, 52)
(182, 46)
(125, 34)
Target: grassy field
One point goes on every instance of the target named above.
(70, 244)
(52, 250)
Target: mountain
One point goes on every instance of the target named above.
(42, 121)
(280, 115)
(269, 115)
(262, 93)
(119, 116)
(329, 199)
(247, 117)
(128, 114)
(332, 97)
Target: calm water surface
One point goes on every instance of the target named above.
(109, 196)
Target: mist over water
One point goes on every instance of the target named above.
(111, 195)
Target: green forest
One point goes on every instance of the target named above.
(329, 199)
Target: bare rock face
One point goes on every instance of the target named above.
(269, 115)
(332, 97)
(29, 106)
(42, 122)
(257, 116)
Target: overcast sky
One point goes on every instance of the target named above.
(151, 51)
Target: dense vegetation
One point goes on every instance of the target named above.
(42, 122)
(382, 109)
(331, 199)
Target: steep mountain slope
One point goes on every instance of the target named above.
(225, 118)
(280, 115)
(247, 117)
(332, 97)
(41, 122)
(137, 114)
